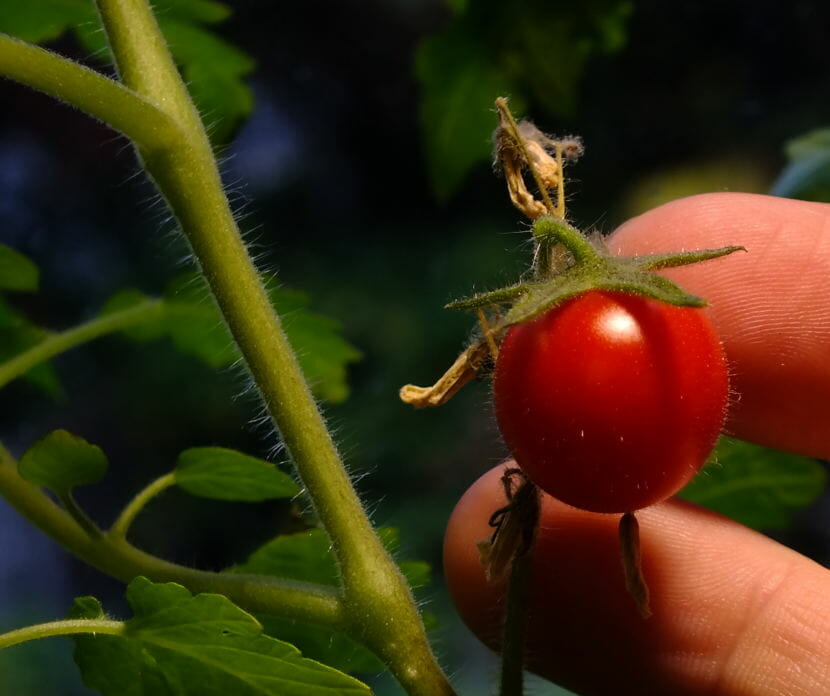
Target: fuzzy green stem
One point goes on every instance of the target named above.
(58, 343)
(378, 608)
(125, 519)
(107, 100)
(552, 234)
(61, 628)
(71, 506)
(268, 595)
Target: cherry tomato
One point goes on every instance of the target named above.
(611, 402)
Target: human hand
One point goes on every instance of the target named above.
(733, 611)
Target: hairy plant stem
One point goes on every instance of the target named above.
(121, 526)
(275, 596)
(61, 628)
(378, 606)
(107, 100)
(153, 108)
(552, 234)
(77, 514)
(55, 344)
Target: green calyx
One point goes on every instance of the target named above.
(567, 264)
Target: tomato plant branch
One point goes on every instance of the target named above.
(635, 583)
(516, 527)
(107, 100)
(268, 595)
(55, 344)
(515, 627)
(378, 606)
(76, 512)
(125, 519)
(61, 628)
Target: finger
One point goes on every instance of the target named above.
(770, 306)
(733, 612)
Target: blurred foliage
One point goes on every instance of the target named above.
(213, 69)
(17, 272)
(16, 335)
(807, 175)
(757, 486)
(532, 50)
(192, 320)
(678, 181)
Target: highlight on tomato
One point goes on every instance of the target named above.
(611, 401)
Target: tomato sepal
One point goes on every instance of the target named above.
(588, 266)
(492, 298)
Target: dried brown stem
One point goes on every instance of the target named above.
(463, 370)
(630, 550)
(513, 154)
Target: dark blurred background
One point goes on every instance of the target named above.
(330, 171)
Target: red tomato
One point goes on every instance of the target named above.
(611, 402)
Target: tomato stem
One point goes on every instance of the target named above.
(630, 550)
(515, 627)
(550, 231)
(526, 511)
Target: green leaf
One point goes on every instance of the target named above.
(44, 20)
(493, 49)
(224, 474)
(179, 644)
(151, 329)
(321, 350)
(17, 272)
(756, 486)
(307, 557)
(18, 334)
(114, 664)
(809, 144)
(86, 608)
(213, 69)
(304, 556)
(807, 176)
(548, 51)
(61, 461)
(191, 319)
(459, 83)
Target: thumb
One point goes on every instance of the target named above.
(733, 611)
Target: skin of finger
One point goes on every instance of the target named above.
(770, 305)
(733, 612)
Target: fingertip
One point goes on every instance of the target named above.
(723, 598)
(768, 304)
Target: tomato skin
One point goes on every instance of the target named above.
(611, 402)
